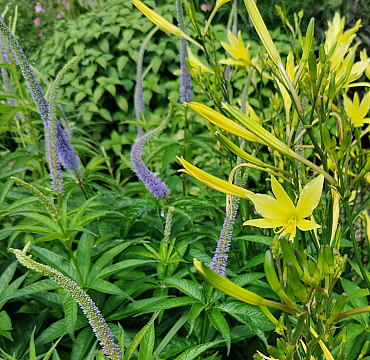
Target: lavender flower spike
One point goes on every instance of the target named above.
(185, 89)
(93, 314)
(157, 187)
(219, 260)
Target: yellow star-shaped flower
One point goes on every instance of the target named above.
(281, 212)
(357, 110)
(237, 50)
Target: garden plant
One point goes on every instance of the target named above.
(229, 221)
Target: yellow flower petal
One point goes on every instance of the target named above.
(306, 225)
(281, 196)
(214, 182)
(222, 122)
(264, 223)
(269, 207)
(310, 197)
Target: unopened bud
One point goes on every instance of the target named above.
(322, 55)
(338, 307)
(312, 66)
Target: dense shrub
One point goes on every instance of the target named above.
(101, 85)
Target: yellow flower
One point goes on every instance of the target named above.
(162, 22)
(237, 50)
(357, 111)
(363, 56)
(213, 181)
(281, 212)
(219, 3)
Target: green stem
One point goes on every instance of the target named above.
(184, 147)
(354, 243)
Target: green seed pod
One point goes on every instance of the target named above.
(322, 55)
(363, 350)
(311, 267)
(332, 89)
(273, 280)
(329, 143)
(345, 144)
(281, 345)
(321, 261)
(289, 256)
(329, 258)
(308, 41)
(274, 352)
(312, 66)
(338, 307)
(295, 283)
(337, 340)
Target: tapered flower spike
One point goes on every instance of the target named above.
(156, 187)
(281, 212)
(57, 143)
(163, 23)
(93, 314)
(185, 89)
(139, 91)
(213, 181)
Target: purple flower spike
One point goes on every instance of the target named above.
(185, 89)
(222, 251)
(91, 311)
(156, 187)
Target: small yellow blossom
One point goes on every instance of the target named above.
(357, 110)
(197, 64)
(237, 50)
(281, 212)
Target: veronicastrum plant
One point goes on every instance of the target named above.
(311, 141)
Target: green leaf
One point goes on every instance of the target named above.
(221, 325)
(104, 45)
(256, 260)
(7, 276)
(5, 188)
(121, 62)
(108, 288)
(32, 346)
(82, 344)
(147, 344)
(54, 331)
(194, 313)
(70, 311)
(122, 103)
(83, 256)
(9, 173)
(105, 258)
(39, 286)
(112, 269)
(139, 336)
(188, 287)
(78, 48)
(170, 303)
(42, 219)
(266, 240)
(195, 351)
(5, 325)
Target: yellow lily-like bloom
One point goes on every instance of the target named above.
(213, 181)
(162, 22)
(219, 3)
(223, 122)
(237, 50)
(357, 111)
(281, 212)
(363, 56)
